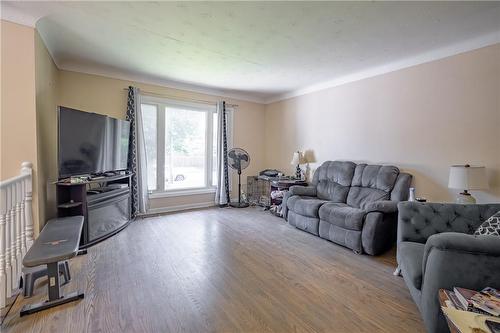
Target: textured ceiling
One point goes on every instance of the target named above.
(260, 50)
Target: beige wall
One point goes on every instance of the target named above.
(18, 113)
(107, 96)
(423, 119)
(46, 77)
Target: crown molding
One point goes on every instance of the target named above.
(444, 52)
(12, 14)
(140, 78)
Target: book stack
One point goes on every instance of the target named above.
(469, 309)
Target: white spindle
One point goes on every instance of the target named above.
(26, 170)
(19, 255)
(16, 229)
(23, 218)
(13, 231)
(8, 258)
(13, 259)
(3, 276)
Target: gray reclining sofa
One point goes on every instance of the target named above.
(436, 250)
(354, 205)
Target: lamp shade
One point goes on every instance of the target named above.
(465, 177)
(297, 158)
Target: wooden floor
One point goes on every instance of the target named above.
(225, 270)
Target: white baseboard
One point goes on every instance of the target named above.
(177, 208)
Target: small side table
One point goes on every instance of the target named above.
(442, 299)
(259, 189)
(283, 185)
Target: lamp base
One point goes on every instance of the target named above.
(298, 172)
(465, 198)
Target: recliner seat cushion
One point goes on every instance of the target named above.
(342, 215)
(304, 205)
(411, 256)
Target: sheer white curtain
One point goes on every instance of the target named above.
(221, 192)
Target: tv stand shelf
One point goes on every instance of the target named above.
(96, 180)
(105, 204)
(69, 205)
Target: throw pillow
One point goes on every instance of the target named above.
(490, 227)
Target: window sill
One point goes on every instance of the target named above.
(180, 193)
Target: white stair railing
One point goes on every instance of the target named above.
(16, 229)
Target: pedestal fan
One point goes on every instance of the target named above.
(238, 159)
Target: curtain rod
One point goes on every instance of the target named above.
(185, 99)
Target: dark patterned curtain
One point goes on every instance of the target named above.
(132, 154)
(222, 190)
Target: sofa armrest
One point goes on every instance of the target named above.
(303, 190)
(383, 206)
(456, 260)
(296, 190)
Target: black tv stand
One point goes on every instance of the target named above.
(104, 202)
(102, 175)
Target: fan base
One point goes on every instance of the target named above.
(239, 204)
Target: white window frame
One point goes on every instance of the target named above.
(211, 111)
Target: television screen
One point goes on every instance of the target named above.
(91, 143)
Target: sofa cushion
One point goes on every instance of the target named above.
(381, 177)
(333, 179)
(304, 205)
(371, 183)
(401, 189)
(411, 256)
(342, 215)
(332, 191)
(360, 197)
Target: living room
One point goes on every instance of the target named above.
(360, 140)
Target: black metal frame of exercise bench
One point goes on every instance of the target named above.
(56, 296)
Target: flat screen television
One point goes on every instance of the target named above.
(90, 143)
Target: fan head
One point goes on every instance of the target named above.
(238, 159)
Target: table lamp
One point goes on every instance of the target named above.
(466, 177)
(297, 160)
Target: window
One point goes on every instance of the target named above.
(181, 146)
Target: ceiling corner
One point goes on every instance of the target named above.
(10, 13)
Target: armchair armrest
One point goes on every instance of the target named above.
(456, 260)
(303, 190)
(383, 206)
(488, 245)
(460, 245)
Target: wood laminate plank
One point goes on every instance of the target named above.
(225, 270)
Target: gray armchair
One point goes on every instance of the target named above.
(436, 250)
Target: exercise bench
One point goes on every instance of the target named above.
(58, 241)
